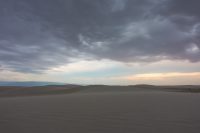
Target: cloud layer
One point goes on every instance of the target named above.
(37, 35)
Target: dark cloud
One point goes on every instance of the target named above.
(39, 34)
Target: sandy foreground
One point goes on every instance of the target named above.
(100, 110)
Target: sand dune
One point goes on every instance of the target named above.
(99, 109)
(11, 91)
(6, 91)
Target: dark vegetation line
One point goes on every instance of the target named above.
(6, 91)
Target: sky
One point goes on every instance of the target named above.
(115, 42)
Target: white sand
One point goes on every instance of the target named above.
(121, 112)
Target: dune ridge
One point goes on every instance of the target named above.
(14, 91)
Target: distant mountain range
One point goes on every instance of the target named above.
(29, 83)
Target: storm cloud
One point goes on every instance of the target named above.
(36, 35)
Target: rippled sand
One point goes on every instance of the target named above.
(118, 112)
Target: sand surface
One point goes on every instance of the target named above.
(117, 112)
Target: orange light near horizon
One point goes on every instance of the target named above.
(161, 76)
